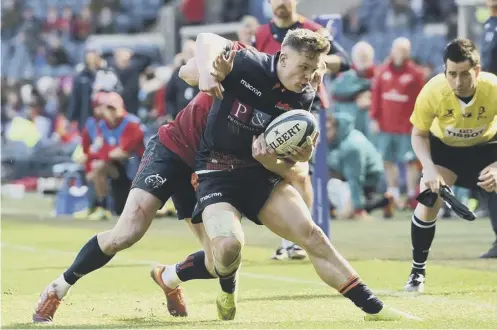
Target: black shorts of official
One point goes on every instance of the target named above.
(247, 189)
(120, 187)
(465, 162)
(164, 174)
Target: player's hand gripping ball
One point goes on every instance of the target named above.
(293, 134)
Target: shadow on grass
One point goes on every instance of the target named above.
(151, 322)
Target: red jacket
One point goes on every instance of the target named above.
(394, 94)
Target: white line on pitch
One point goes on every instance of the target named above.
(401, 294)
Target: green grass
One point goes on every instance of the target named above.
(461, 290)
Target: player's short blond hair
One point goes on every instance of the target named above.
(306, 41)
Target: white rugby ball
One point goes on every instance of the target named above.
(290, 129)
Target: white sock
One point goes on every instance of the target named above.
(170, 278)
(61, 286)
(394, 191)
(286, 243)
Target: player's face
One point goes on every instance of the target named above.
(298, 69)
(283, 8)
(462, 77)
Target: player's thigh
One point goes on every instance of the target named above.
(386, 146)
(139, 211)
(286, 215)
(216, 207)
(160, 171)
(184, 197)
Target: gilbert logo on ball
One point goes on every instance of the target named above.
(290, 129)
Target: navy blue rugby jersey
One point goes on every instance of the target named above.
(253, 97)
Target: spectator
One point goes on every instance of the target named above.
(128, 66)
(395, 89)
(352, 24)
(353, 158)
(58, 55)
(152, 96)
(104, 22)
(246, 34)
(31, 27)
(66, 22)
(179, 93)
(233, 10)
(34, 112)
(41, 57)
(400, 15)
(11, 18)
(12, 107)
(80, 99)
(52, 21)
(83, 24)
(193, 11)
(351, 90)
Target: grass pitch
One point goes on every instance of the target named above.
(461, 290)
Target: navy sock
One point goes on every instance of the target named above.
(362, 296)
(89, 258)
(228, 282)
(193, 267)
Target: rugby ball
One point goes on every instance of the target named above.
(290, 129)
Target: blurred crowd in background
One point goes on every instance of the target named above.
(48, 66)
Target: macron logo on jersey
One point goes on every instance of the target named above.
(251, 88)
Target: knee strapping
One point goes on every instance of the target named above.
(224, 271)
(224, 224)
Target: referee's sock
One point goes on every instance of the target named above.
(422, 234)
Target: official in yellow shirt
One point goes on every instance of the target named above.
(455, 139)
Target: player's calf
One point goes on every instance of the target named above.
(100, 249)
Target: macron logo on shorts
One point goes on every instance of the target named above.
(251, 88)
(209, 196)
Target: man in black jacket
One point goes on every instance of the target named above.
(179, 93)
(80, 107)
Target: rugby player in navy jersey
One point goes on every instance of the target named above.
(238, 176)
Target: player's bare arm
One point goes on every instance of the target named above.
(208, 47)
(267, 157)
(421, 145)
(118, 154)
(189, 73)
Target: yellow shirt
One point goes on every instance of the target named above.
(458, 124)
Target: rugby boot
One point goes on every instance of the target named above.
(492, 253)
(175, 299)
(226, 306)
(295, 252)
(280, 254)
(47, 305)
(388, 313)
(100, 214)
(415, 283)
